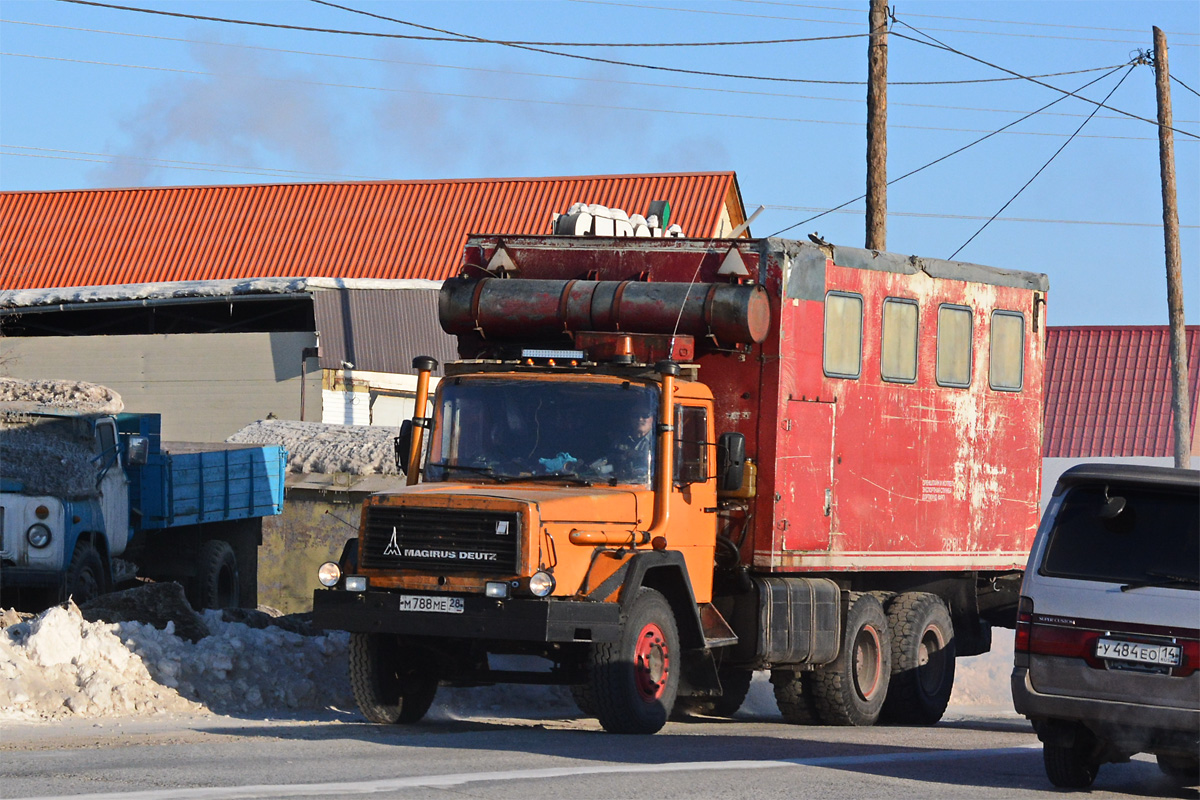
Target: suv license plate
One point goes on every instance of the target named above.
(442, 605)
(1139, 652)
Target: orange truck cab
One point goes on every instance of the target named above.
(663, 464)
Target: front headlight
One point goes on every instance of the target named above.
(541, 584)
(329, 574)
(38, 535)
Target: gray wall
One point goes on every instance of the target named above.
(206, 386)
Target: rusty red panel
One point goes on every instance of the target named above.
(386, 229)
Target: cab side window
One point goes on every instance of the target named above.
(691, 445)
(843, 335)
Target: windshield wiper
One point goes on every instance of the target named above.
(1156, 578)
(479, 470)
(569, 477)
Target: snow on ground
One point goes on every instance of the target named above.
(318, 447)
(58, 665)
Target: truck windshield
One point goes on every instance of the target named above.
(525, 429)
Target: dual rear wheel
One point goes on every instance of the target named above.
(895, 664)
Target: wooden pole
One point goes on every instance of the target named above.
(1166, 157)
(877, 127)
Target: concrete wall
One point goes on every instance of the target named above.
(206, 386)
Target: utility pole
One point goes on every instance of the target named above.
(877, 127)
(1166, 159)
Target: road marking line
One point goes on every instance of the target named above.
(338, 789)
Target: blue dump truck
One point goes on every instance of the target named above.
(92, 501)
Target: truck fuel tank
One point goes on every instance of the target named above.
(538, 309)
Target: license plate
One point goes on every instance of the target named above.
(441, 605)
(1167, 655)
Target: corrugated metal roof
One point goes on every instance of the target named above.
(1108, 391)
(380, 330)
(388, 229)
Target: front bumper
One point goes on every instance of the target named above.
(28, 577)
(483, 618)
(1143, 727)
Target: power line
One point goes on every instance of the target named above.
(937, 45)
(839, 22)
(951, 154)
(1184, 85)
(920, 215)
(579, 78)
(1041, 169)
(558, 103)
(456, 38)
(963, 19)
(475, 39)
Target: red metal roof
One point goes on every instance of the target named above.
(386, 229)
(1108, 391)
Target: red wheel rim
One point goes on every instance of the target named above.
(651, 663)
(868, 662)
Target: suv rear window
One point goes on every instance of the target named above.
(1153, 538)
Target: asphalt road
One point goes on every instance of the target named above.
(221, 758)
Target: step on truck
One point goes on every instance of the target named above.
(662, 464)
(92, 501)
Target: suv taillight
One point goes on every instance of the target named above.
(1024, 624)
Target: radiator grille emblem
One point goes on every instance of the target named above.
(502, 527)
(393, 547)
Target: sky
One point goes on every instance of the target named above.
(97, 97)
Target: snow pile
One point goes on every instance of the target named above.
(58, 665)
(48, 456)
(321, 448)
(86, 398)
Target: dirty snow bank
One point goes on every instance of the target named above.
(87, 398)
(321, 448)
(59, 665)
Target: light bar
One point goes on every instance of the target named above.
(578, 355)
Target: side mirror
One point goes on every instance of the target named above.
(137, 451)
(404, 446)
(731, 461)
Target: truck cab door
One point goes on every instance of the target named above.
(114, 487)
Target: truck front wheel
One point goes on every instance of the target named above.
(217, 582)
(635, 679)
(851, 690)
(85, 576)
(390, 683)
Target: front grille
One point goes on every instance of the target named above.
(443, 541)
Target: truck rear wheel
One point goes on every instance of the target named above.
(794, 696)
(217, 581)
(390, 684)
(85, 578)
(922, 659)
(851, 689)
(735, 685)
(636, 678)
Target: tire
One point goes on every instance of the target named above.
(1071, 766)
(635, 680)
(1181, 770)
(851, 689)
(794, 696)
(584, 699)
(217, 581)
(390, 683)
(85, 579)
(922, 659)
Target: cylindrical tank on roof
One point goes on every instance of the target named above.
(527, 310)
